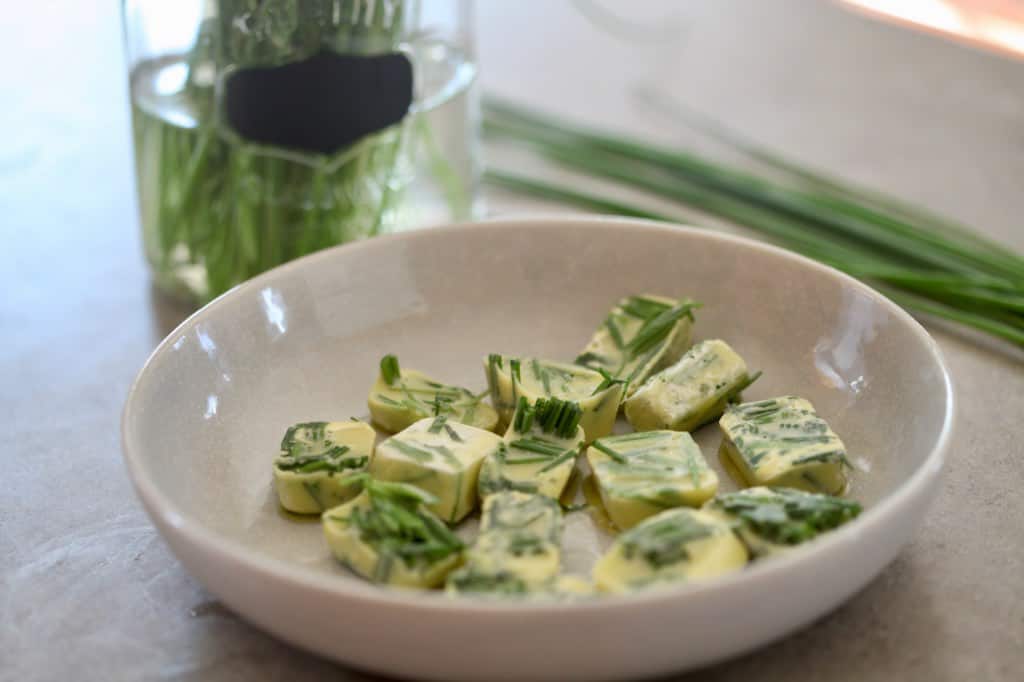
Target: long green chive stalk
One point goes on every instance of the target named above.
(925, 263)
(809, 177)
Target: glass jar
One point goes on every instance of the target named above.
(268, 129)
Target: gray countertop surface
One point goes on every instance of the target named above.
(89, 591)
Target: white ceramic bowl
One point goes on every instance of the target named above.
(302, 342)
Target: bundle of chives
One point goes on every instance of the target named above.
(922, 262)
(216, 209)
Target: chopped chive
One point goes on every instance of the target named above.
(423, 397)
(626, 437)
(613, 331)
(656, 329)
(589, 359)
(516, 461)
(334, 467)
(396, 524)
(493, 365)
(643, 308)
(452, 433)
(389, 369)
(607, 380)
(513, 365)
(439, 423)
(558, 417)
(597, 444)
(662, 540)
(522, 420)
(538, 446)
(417, 453)
(565, 456)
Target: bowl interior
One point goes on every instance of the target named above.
(303, 342)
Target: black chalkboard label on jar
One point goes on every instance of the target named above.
(321, 104)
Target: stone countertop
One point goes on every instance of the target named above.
(87, 588)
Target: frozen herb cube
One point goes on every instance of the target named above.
(770, 520)
(539, 449)
(313, 470)
(403, 396)
(440, 456)
(388, 535)
(511, 378)
(674, 546)
(518, 549)
(691, 392)
(782, 442)
(641, 335)
(641, 474)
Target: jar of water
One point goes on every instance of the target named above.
(268, 129)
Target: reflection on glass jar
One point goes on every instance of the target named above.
(217, 206)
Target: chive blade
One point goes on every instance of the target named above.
(601, 447)
(389, 369)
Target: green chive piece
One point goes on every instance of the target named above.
(598, 445)
(389, 369)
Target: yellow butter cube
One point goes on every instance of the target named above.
(440, 456)
(312, 472)
(539, 450)
(388, 535)
(641, 335)
(677, 545)
(510, 378)
(641, 474)
(403, 396)
(782, 442)
(518, 549)
(771, 520)
(691, 392)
